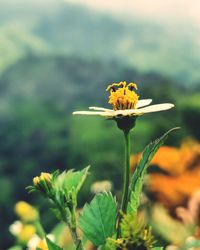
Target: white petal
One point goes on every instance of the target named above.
(126, 112)
(87, 113)
(100, 109)
(16, 228)
(33, 242)
(144, 102)
(104, 113)
(156, 108)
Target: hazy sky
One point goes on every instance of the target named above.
(174, 10)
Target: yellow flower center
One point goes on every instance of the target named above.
(122, 95)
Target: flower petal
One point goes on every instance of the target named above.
(142, 103)
(156, 108)
(104, 113)
(126, 112)
(100, 109)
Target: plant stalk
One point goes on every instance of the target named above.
(126, 180)
(40, 229)
(73, 230)
(126, 172)
(71, 224)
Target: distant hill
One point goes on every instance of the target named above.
(70, 82)
(57, 28)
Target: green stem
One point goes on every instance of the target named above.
(126, 172)
(73, 229)
(71, 223)
(77, 241)
(40, 229)
(126, 180)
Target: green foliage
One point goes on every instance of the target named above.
(72, 181)
(137, 180)
(134, 235)
(65, 190)
(110, 245)
(52, 246)
(98, 218)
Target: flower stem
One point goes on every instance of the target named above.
(71, 223)
(40, 229)
(76, 240)
(126, 180)
(126, 172)
(73, 231)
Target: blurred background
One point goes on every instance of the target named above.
(58, 56)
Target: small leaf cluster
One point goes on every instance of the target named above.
(62, 190)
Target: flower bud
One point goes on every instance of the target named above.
(43, 182)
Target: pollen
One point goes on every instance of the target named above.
(122, 95)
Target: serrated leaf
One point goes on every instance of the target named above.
(137, 180)
(71, 180)
(98, 218)
(52, 246)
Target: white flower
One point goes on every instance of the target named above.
(36, 240)
(16, 228)
(101, 186)
(140, 109)
(126, 106)
(33, 242)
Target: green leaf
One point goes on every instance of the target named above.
(52, 246)
(71, 180)
(98, 218)
(137, 180)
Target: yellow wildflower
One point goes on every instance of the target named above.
(26, 233)
(26, 212)
(42, 245)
